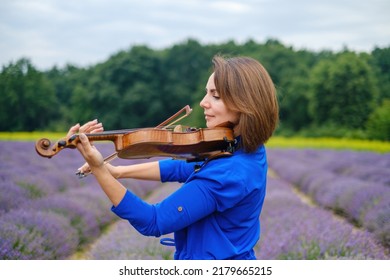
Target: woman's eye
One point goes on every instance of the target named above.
(216, 97)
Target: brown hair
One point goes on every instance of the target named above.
(245, 86)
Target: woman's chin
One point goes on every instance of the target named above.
(209, 125)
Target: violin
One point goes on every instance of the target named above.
(161, 141)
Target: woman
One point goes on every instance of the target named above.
(215, 214)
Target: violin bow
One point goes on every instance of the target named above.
(168, 122)
(171, 120)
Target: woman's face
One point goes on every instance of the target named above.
(215, 110)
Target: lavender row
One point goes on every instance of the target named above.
(311, 233)
(124, 242)
(46, 212)
(367, 166)
(293, 229)
(328, 178)
(25, 176)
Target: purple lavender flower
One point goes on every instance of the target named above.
(36, 235)
(377, 220)
(292, 229)
(11, 195)
(123, 242)
(80, 217)
(296, 222)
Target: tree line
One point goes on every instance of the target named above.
(325, 93)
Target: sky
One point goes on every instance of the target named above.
(85, 32)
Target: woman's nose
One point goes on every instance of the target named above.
(203, 103)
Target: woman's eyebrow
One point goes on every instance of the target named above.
(213, 90)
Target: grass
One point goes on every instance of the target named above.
(329, 143)
(274, 142)
(30, 136)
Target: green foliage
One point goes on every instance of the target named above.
(381, 63)
(289, 70)
(343, 91)
(320, 94)
(27, 98)
(378, 124)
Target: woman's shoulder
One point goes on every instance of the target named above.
(239, 165)
(241, 157)
(233, 177)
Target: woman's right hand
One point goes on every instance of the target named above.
(85, 169)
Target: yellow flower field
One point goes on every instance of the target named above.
(274, 142)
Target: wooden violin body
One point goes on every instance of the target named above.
(152, 142)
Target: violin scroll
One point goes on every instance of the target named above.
(45, 149)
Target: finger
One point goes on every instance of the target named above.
(84, 146)
(96, 128)
(90, 153)
(73, 130)
(83, 171)
(92, 127)
(85, 128)
(85, 168)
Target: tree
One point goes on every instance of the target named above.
(381, 59)
(343, 91)
(294, 103)
(110, 88)
(378, 124)
(27, 98)
(141, 87)
(289, 70)
(185, 67)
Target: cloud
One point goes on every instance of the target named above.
(85, 32)
(230, 7)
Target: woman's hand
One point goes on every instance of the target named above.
(89, 127)
(93, 157)
(114, 190)
(85, 169)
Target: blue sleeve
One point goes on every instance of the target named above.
(192, 202)
(216, 187)
(182, 208)
(139, 213)
(172, 170)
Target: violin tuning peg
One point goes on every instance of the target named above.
(61, 143)
(72, 137)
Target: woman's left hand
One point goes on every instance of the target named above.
(93, 126)
(89, 127)
(93, 157)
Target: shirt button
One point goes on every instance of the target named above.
(179, 208)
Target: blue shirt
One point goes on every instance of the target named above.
(214, 215)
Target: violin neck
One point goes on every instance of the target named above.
(107, 135)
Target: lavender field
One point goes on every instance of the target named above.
(46, 212)
(320, 204)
